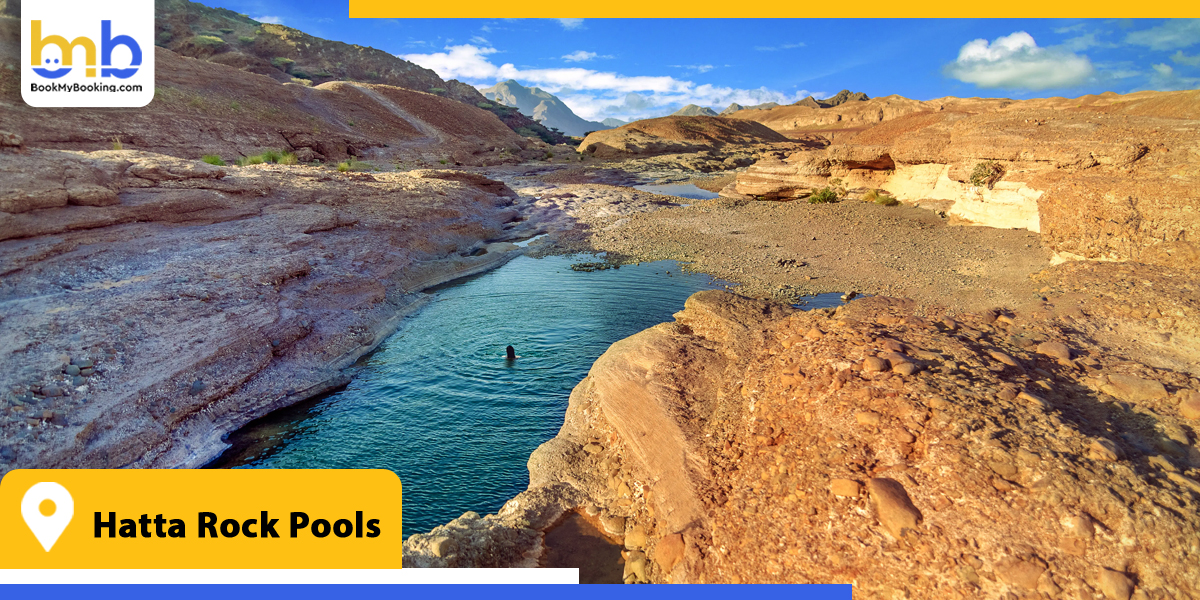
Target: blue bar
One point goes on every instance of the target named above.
(443, 592)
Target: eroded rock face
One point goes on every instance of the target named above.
(153, 303)
(675, 135)
(747, 443)
(1112, 178)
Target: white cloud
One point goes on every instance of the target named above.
(1016, 62)
(579, 56)
(595, 94)
(1180, 58)
(696, 68)
(570, 23)
(1176, 33)
(1083, 42)
(779, 47)
(479, 40)
(1070, 28)
(269, 19)
(1164, 79)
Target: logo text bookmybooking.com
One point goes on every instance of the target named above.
(88, 53)
(77, 88)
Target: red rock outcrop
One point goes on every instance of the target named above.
(674, 135)
(153, 303)
(907, 455)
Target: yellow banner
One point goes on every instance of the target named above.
(393, 9)
(202, 519)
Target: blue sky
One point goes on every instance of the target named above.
(637, 68)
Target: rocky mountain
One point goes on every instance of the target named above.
(611, 122)
(542, 106)
(734, 107)
(838, 99)
(288, 55)
(693, 110)
(675, 134)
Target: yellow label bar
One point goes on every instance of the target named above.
(489, 9)
(200, 519)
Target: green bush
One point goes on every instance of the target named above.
(301, 75)
(165, 37)
(986, 173)
(208, 41)
(353, 164)
(213, 159)
(444, 161)
(282, 63)
(437, 90)
(272, 156)
(484, 104)
(823, 196)
(343, 167)
(226, 30)
(246, 40)
(268, 156)
(288, 159)
(880, 197)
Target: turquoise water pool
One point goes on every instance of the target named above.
(440, 405)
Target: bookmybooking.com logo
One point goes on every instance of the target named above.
(84, 53)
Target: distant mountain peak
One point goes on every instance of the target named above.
(837, 99)
(693, 110)
(541, 106)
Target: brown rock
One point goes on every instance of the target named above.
(1134, 389)
(896, 512)
(668, 552)
(1021, 573)
(867, 418)
(1056, 350)
(905, 369)
(845, 487)
(814, 334)
(874, 364)
(1004, 358)
(893, 346)
(1115, 585)
(1189, 407)
(1102, 449)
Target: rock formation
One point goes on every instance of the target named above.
(155, 303)
(1110, 177)
(908, 455)
(673, 135)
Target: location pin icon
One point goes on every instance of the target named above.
(47, 528)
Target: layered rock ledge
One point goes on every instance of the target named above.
(911, 454)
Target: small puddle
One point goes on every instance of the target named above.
(682, 190)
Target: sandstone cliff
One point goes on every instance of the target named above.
(1102, 177)
(982, 457)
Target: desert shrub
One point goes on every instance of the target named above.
(444, 161)
(304, 82)
(323, 73)
(282, 63)
(437, 90)
(836, 182)
(880, 197)
(549, 155)
(823, 196)
(268, 156)
(246, 40)
(213, 159)
(208, 41)
(235, 106)
(484, 104)
(116, 143)
(353, 164)
(986, 173)
(301, 74)
(226, 30)
(272, 156)
(288, 159)
(164, 38)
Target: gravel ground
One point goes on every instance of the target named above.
(792, 249)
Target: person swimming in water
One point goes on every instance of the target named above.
(510, 353)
